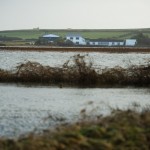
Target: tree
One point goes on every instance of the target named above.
(142, 40)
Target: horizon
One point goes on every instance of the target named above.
(74, 29)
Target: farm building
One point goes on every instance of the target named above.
(130, 42)
(50, 37)
(76, 39)
(103, 42)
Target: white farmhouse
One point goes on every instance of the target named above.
(76, 39)
(130, 42)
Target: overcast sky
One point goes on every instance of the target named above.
(76, 14)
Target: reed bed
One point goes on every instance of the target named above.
(77, 71)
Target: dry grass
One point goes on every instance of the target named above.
(122, 130)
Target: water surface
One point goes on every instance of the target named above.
(9, 60)
(24, 108)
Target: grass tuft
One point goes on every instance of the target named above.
(122, 130)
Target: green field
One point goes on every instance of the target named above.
(93, 34)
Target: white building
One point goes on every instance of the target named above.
(76, 39)
(100, 42)
(130, 42)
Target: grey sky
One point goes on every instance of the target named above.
(76, 14)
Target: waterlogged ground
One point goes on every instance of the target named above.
(9, 60)
(26, 108)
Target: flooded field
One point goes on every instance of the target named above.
(26, 108)
(9, 60)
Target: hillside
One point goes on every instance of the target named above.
(91, 33)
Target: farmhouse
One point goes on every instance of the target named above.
(103, 42)
(76, 39)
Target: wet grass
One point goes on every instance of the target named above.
(79, 73)
(122, 130)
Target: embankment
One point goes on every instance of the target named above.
(77, 49)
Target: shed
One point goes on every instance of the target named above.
(130, 42)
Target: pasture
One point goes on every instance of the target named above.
(86, 33)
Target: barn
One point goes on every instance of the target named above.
(130, 42)
(50, 37)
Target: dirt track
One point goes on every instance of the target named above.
(78, 49)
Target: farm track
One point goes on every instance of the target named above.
(77, 49)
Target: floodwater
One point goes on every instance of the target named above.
(9, 60)
(26, 108)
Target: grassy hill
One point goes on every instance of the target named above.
(93, 34)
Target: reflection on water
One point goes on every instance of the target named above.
(23, 109)
(9, 60)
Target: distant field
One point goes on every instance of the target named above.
(35, 34)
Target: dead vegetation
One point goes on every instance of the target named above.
(122, 130)
(78, 71)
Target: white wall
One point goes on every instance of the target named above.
(130, 42)
(106, 43)
(78, 40)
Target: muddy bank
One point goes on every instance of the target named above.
(77, 49)
(78, 72)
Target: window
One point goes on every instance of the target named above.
(71, 38)
(77, 43)
(77, 38)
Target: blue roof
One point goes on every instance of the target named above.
(50, 35)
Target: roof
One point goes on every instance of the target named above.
(73, 35)
(50, 35)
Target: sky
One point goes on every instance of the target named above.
(74, 14)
